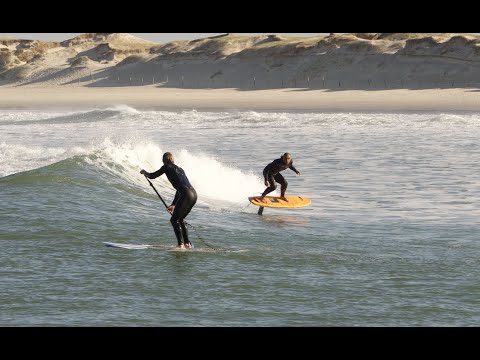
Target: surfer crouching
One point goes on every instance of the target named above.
(271, 173)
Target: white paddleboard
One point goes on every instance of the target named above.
(138, 246)
(165, 247)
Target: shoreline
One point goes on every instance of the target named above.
(276, 100)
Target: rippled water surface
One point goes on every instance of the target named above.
(390, 239)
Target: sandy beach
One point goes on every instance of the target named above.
(360, 72)
(155, 98)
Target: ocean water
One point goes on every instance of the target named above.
(391, 237)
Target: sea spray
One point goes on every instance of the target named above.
(213, 180)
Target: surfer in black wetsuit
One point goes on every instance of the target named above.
(271, 173)
(184, 199)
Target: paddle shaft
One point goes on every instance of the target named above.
(155, 190)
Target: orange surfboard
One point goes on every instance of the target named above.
(276, 202)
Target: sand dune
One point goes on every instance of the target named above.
(336, 62)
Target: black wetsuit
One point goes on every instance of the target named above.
(184, 199)
(272, 173)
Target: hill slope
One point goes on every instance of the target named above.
(337, 61)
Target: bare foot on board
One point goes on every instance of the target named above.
(261, 199)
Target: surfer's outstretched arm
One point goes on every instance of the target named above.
(291, 167)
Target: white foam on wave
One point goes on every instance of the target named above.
(124, 108)
(18, 158)
(214, 181)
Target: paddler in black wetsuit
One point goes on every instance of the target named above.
(271, 173)
(184, 199)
